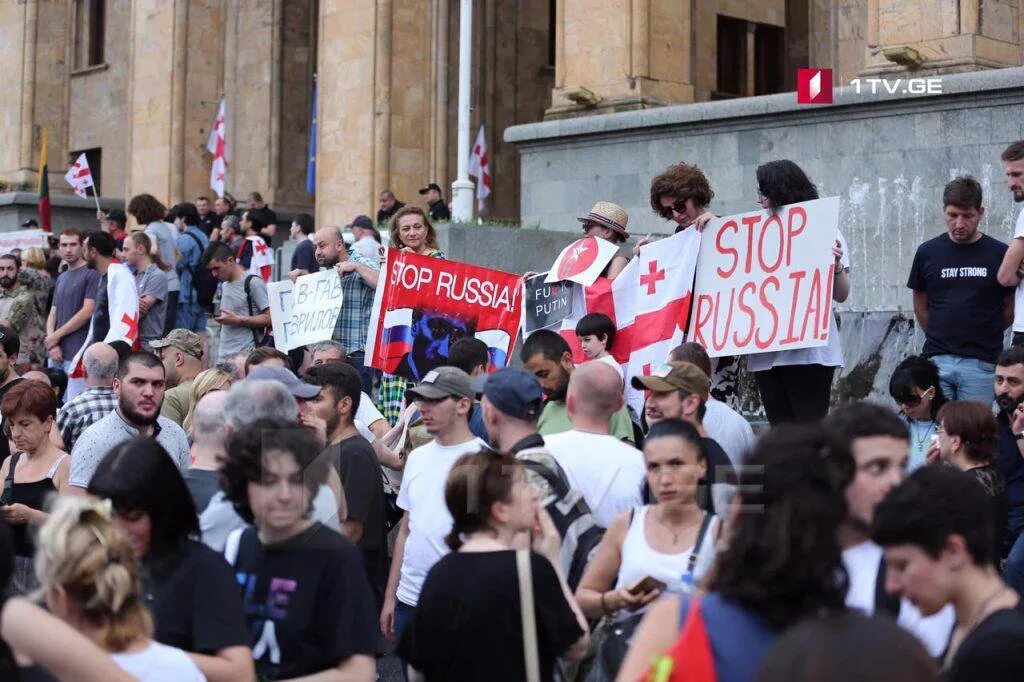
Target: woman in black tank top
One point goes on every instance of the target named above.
(36, 470)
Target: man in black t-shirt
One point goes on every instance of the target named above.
(958, 301)
(437, 209)
(356, 464)
(259, 209)
(389, 206)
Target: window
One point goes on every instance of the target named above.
(751, 58)
(552, 29)
(90, 27)
(95, 158)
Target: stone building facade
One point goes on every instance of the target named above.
(136, 83)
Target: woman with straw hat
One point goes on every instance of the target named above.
(608, 221)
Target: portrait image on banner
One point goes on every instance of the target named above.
(764, 280)
(424, 305)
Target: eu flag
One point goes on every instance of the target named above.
(311, 161)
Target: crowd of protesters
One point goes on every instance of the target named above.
(205, 506)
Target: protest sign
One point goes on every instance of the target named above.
(316, 304)
(22, 239)
(545, 305)
(583, 261)
(764, 280)
(280, 295)
(423, 305)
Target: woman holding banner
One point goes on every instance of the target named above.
(410, 230)
(796, 385)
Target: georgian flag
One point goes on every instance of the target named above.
(80, 177)
(480, 167)
(262, 263)
(649, 302)
(123, 304)
(217, 145)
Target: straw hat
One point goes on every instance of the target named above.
(609, 215)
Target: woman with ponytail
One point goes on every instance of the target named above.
(467, 625)
(88, 575)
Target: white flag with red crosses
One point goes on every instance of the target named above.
(216, 144)
(123, 309)
(649, 302)
(79, 176)
(480, 167)
(262, 263)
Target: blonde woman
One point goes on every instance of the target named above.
(411, 231)
(88, 576)
(34, 276)
(207, 381)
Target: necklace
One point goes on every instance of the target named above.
(919, 442)
(980, 611)
(675, 531)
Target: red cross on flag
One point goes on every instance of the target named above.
(649, 302)
(217, 145)
(262, 263)
(480, 167)
(123, 302)
(79, 176)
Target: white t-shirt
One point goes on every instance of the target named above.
(607, 472)
(861, 562)
(368, 248)
(159, 663)
(1018, 300)
(829, 355)
(366, 414)
(730, 429)
(422, 495)
(613, 363)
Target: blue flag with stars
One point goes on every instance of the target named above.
(311, 161)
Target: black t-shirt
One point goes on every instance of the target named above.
(196, 605)
(468, 626)
(439, 211)
(995, 487)
(5, 446)
(363, 483)
(993, 652)
(720, 470)
(265, 214)
(304, 256)
(307, 602)
(384, 216)
(209, 222)
(101, 313)
(965, 301)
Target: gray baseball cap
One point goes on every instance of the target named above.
(443, 382)
(299, 389)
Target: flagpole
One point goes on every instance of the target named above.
(462, 188)
(97, 198)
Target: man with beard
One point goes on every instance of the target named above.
(74, 299)
(18, 310)
(1009, 388)
(680, 390)
(1009, 271)
(548, 357)
(959, 302)
(358, 282)
(870, 446)
(139, 386)
(353, 458)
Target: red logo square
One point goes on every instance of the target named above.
(814, 86)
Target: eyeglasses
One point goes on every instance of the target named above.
(914, 401)
(678, 207)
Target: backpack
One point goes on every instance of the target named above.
(202, 281)
(260, 337)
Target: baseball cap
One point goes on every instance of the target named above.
(443, 382)
(675, 375)
(299, 389)
(429, 187)
(515, 392)
(31, 222)
(361, 221)
(184, 340)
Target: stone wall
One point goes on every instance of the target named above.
(886, 157)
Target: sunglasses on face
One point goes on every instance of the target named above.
(914, 401)
(678, 207)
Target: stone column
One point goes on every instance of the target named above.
(621, 55)
(346, 121)
(942, 36)
(174, 71)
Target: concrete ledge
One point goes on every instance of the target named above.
(966, 85)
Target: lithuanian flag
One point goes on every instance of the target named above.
(44, 190)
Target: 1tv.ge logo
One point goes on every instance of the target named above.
(814, 86)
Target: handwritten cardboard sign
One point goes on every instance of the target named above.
(764, 280)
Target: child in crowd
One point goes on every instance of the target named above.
(596, 333)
